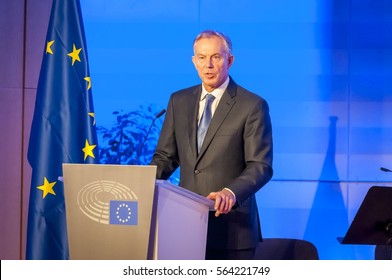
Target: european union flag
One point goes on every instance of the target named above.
(62, 131)
(123, 212)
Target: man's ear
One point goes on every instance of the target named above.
(231, 60)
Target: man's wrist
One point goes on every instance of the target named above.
(231, 192)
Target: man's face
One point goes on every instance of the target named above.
(212, 62)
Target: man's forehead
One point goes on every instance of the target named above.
(204, 49)
(209, 52)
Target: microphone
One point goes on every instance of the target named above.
(157, 116)
(385, 169)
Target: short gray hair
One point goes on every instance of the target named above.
(211, 33)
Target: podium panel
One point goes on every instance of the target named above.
(181, 223)
(108, 209)
(121, 212)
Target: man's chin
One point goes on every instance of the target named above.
(211, 83)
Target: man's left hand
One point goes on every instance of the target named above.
(224, 201)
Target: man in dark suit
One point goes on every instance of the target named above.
(235, 158)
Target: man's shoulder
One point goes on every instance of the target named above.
(248, 95)
(187, 92)
(243, 92)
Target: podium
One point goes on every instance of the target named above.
(119, 212)
(372, 225)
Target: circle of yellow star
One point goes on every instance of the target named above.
(47, 188)
(93, 116)
(88, 80)
(75, 54)
(49, 46)
(88, 150)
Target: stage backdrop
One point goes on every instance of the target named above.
(324, 66)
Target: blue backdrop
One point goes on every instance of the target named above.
(325, 67)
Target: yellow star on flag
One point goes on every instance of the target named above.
(88, 79)
(48, 47)
(75, 54)
(88, 150)
(47, 188)
(93, 116)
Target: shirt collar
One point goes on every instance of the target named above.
(218, 92)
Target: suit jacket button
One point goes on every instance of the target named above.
(197, 171)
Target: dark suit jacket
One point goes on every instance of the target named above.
(236, 153)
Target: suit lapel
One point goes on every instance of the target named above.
(224, 107)
(193, 110)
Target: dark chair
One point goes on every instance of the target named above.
(286, 249)
(383, 252)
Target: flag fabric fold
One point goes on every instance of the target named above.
(62, 131)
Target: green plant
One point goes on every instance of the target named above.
(123, 142)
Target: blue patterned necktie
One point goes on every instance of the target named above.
(204, 121)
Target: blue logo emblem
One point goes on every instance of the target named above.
(123, 213)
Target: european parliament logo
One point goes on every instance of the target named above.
(108, 202)
(123, 212)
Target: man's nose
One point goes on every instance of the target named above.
(209, 63)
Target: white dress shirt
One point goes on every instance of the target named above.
(217, 93)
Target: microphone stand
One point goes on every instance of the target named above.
(157, 116)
